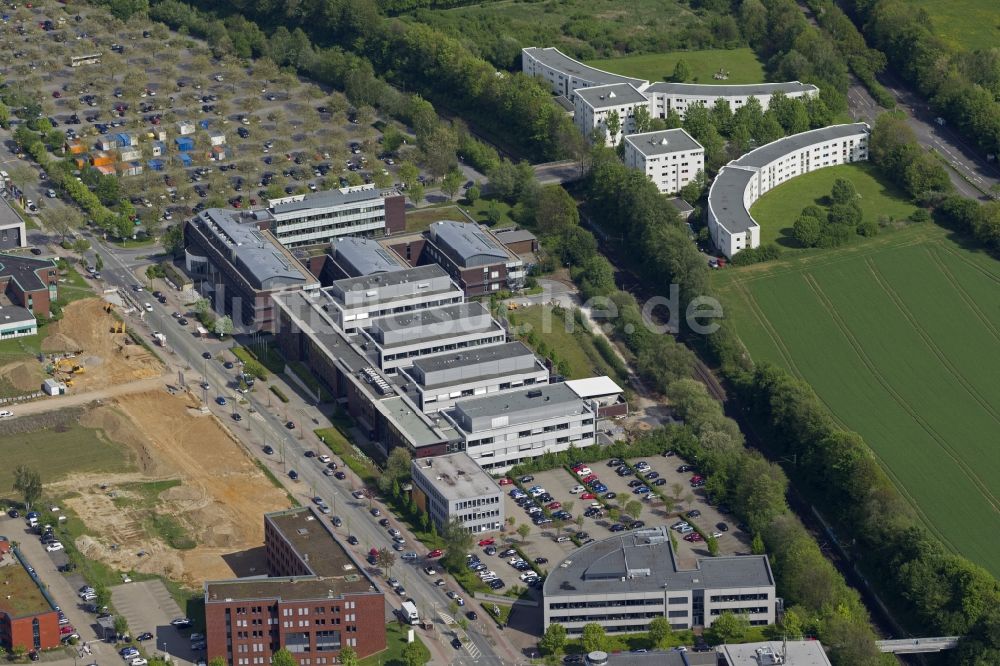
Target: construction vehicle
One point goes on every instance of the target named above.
(118, 327)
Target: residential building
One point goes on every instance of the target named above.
(665, 96)
(437, 382)
(398, 340)
(29, 283)
(12, 229)
(240, 266)
(625, 581)
(474, 257)
(353, 256)
(670, 158)
(743, 181)
(773, 653)
(594, 106)
(317, 218)
(315, 600)
(564, 75)
(453, 486)
(27, 617)
(499, 431)
(355, 302)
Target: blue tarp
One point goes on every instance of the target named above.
(155, 165)
(124, 140)
(185, 159)
(203, 123)
(184, 143)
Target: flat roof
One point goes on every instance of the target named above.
(661, 658)
(761, 157)
(730, 89)
(663, 142)
(473, 357)
(556, 59)
(21, 595)
(379, 280)
(614, 94)
(456, 476)
(512, 235)
(431, 323)
(531, 403)
(592, 387)
(15, 314)
(411, 421)
(324, 199)
(22, 270)
(8, 216)
(466, 243)
(474, 364)
(794, 653)
(725, 198)
(363, 256)
(266, 260)
(645, 559)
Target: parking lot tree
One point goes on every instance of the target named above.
(633, 508)
(103, 595)
(283, 658)
(121, 625)
(614, 513)
(457, 543)
(382, 180)
(452, 183)
(553, 641)
(415, 192)
(408, 173)
(713, 545)
(437, 149)
(594, 638)
(27, 482)
(659, 629)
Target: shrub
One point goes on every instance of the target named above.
(278, 392)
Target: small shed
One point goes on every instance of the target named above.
(133, 168)
(155, 165)
(216, 137)
(101, 159)
(219, 153)
(184, 143)
(129, 154)
(54, 387)
(203, 124)
(125, 139)
(158, 148)
(77, 148)
(106, 170)
(185, 127)
(683, 208)
(81, 162)
(185, 159)
(157, 134)
(105, 144)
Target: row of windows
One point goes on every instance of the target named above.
(482, 515)
(754, 610)
(363, 210)
(440, 349)
(479, 501)
(652, 601)
(721, 598)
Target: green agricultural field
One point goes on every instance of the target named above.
(777, 210)
(967, 24)
(898, 338)
(741, 64)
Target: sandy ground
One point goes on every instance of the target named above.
(107, 358)
(220, 502)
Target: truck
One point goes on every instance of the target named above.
(409, 613)
(160, 339)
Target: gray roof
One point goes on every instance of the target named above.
(363, 256)
(15, 314)
(512, 235)
(8, 216)
(615, 94)
(725, 199)
(325, 199)
(658, 658)
(23, 270)
(761, 157)
(681, 205)
(258, 256)
(794, 653)
(411, 421)
(467, 244)
(730, 90)
(663, 142)
(391, 279)
(645, 559)
(534, 403)
(432, 323)
(455, 476)
(471, 364)
(556, 59)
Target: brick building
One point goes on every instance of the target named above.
(27, 619)
(316, 600)
(28, 282)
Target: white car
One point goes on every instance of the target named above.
(138, 661)
(54, 546)
(584, 471)
(6, 413)
(149, 308)
(577, 489)
(324, 458)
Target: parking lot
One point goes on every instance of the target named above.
(148, 607)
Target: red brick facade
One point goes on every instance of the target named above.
(22, 631)
(27, 282)
(395, 214)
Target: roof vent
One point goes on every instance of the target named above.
(663, 141)
(612, 95)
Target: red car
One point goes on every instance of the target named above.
(487, 542)
(590, 479)
(553, 506)
(696, 478)
(588, 496)
(694, 536)
(373, 552)
(578, 467)
(505, 481)
(56, 94)
(437, 552)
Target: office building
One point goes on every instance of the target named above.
(453, 486)
(30, 283)
(741, 182)
(239, 266)
(317, 218)
(27, 617)
(12, 228)
(593, 107)
(354, 256)
(437, 382)
(671, 158)
(315, 600)
(499, 431)
(773, 653)
(625, 581)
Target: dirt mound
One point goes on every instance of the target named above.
(24, 375)
(60, 342)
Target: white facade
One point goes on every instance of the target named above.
(565, 75)
(595, 105)
(671, 158)
(665, 97)
(741, 182)
(310, 219)
(454, 486)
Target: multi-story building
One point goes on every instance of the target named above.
(12, 228)
(453, 486)
(593, 107)
(499, 431)
(743, 181)
(354, 303)
(316, 600)
(479, 262)
(665, 96)
(30, 283)
(318, 218)
(354, 256)
(436, 383)
(27, 618)
(670, 158)
(625, 581)
(240, 266)
(398, 340)
(566, 76)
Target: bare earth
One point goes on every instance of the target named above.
(220, 502)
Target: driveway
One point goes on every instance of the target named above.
(148, 606)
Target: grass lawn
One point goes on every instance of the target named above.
(543, 327)
(966, 24)
(74, 288)
(893, 334)
(21, 594)
(478, 212)
(742, 65)
(777, 210)
(395, 641)
(419, 220)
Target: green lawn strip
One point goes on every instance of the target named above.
(640, 641)
(419, 220)
(546, 330)
(302, 372)
(337, 441)
(777, 210)
(741, 64)
(480, 211)
(265, 354)
(277, 484)
(396, 639)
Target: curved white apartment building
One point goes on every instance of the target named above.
(744, 180)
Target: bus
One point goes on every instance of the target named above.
(91, 59)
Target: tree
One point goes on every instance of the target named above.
(555, 210)
(614, 126)
(452, 183)
(224, 326)
(523, 530)
(437, 149)
(843, 191)
(730, 628)
(397, 467)
(473, 193)
(681, 71)
(457, 541)
(642, 119)
(415, 654)
(121, 625)
(416, 193)
(348, 656)
(594, 638)
(28, 483)
(98, 263)
(283, 658)
(633, 508)
(659, 629)
(408, 173)
(806, 230)
(217, 661)
(173, 240)
(102, 595)
(554, 640)
(713, 545)
(386, 559)
(848, 215)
